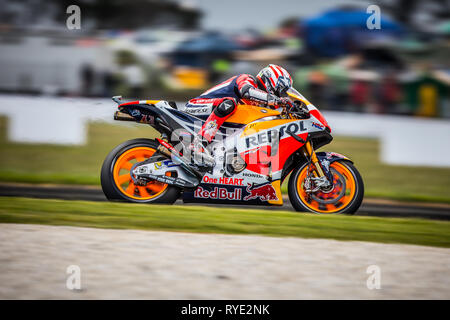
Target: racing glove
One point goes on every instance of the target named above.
(276, 101)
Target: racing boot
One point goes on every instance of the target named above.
(221, 112)
(200, 154)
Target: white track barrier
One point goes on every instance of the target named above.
(404, 140)
(53, 120)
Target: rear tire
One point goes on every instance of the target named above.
(346, 197)
(118, 188)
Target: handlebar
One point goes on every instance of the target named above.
(297, 109)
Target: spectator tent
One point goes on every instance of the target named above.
(341, 31)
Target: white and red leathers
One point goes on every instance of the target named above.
(220, 101)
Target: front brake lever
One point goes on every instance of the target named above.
(303, 110)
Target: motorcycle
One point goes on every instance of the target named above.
(254, 151)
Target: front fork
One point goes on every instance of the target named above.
(309, 153)
(321, 179)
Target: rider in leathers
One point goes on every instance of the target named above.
(266, 89)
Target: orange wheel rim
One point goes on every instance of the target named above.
(340, 197)
(122, 178)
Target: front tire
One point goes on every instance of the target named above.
(116, 180)
(346, 196)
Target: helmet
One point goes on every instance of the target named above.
(275, 79)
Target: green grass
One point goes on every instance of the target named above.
(81, 165)
(224, 220)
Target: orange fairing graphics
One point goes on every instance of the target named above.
(277, 187)
(253, 128)
(267, 144)
(246, 113)
(271, 158)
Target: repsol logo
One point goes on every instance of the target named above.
(271, 135)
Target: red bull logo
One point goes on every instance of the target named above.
(264, 192)
(218, 193)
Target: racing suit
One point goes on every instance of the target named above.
(220, 102)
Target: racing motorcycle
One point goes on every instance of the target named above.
(254, 152)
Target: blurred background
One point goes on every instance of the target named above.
(384, 91)
(177, 48)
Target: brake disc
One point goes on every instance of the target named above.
(341, 193)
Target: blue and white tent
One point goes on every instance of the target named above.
(341, 31)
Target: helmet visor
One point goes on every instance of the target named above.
(283, 84)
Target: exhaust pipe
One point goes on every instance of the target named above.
(122, 116)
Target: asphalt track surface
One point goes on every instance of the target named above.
(369, 207)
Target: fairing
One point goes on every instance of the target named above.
(268, 143)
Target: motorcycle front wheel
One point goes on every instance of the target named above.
(116, 180)
(345, 197)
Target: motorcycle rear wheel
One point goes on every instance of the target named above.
(345, 197)
(116, 180)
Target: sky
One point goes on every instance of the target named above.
(232, 15)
